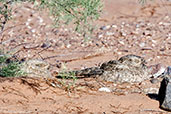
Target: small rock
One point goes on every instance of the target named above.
(160, 23)
(105, 27)
(119, 53)
(146, 48)
(40, 20)
(29, 27)
(33, 30)
(154, 41)
(121, 42)
(114, 26)
(158, 57)
(68, 46)
(109, 33)
(104, 89)
(44, 45)
(29, 19)
(100, 36)
(123, 33)
(137, 25)
(162, 49)
(142, 44)
(27, 23)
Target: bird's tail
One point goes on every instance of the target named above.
(88, 72)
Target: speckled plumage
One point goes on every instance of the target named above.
(129, 68)
(36, 68)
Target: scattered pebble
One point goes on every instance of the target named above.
(100, 36)
(29, 27)
(104, 89)
(123, 33)
(105, 27)
(33, 30)
(114, 26)
(44, 45)
(40, 20)
(142, 44)
(109, 33)
(121, 42)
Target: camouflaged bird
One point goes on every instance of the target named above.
(129, 68)
(36, 68)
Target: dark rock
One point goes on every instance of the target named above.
(165, 93)
(45, 45)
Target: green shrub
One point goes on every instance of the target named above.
(79, 12)
(3, 59)
(65, 74)
(9, 68)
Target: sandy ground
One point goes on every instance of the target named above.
(125, 27)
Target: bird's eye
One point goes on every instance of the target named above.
(130, 60)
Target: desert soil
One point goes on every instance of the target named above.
(125, 27)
